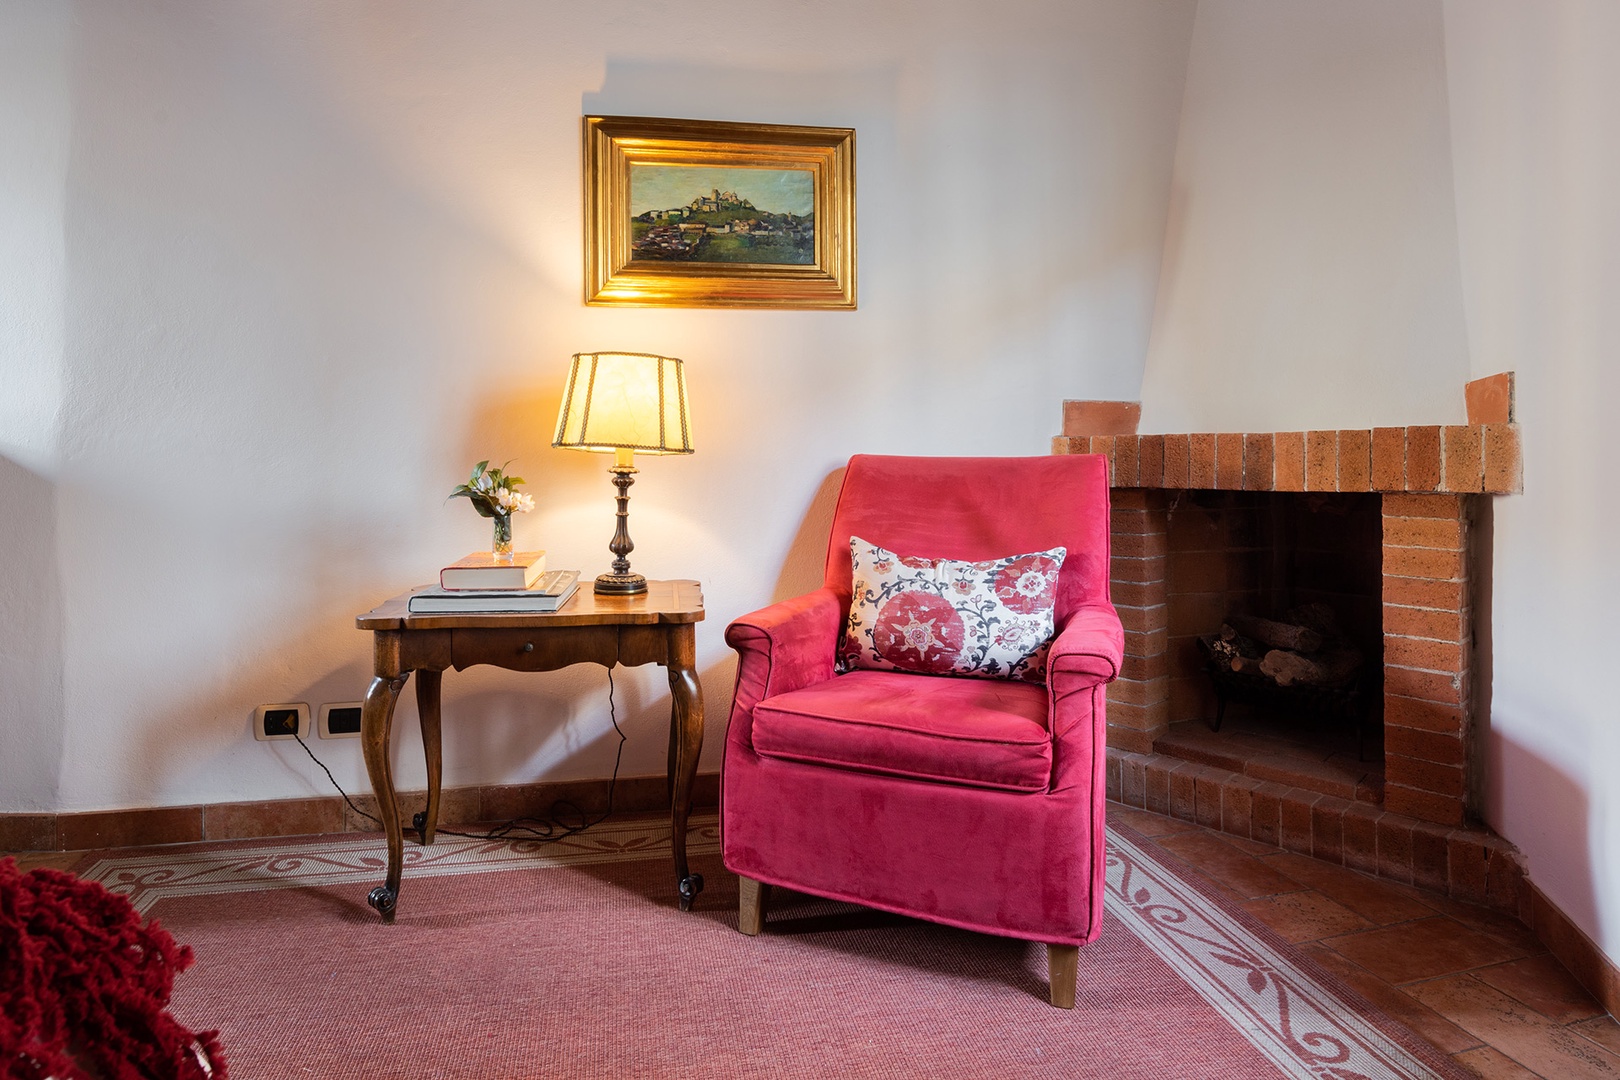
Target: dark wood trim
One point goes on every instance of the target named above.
(145, 826)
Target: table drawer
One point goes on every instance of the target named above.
(535, 648)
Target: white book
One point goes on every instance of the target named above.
(549, 593)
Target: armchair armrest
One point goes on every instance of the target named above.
(787, 646)
(1088, 652)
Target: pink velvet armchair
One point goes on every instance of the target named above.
(972, 802)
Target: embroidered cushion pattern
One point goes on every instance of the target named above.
(989, 619)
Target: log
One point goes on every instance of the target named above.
(1278, 635)
(1331, 669)
(1246, 665)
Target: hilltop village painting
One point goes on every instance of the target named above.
(699, 214)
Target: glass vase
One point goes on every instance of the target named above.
(501, 545)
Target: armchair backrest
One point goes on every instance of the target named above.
(980, 508)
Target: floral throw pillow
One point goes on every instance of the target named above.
(990, 619)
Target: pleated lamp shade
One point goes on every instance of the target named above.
(622, 402)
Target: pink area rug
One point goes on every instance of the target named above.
(571, 960)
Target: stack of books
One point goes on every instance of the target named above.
(481, 583)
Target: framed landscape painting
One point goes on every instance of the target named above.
(701, 213)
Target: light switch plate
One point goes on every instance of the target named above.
(340, 720)
(270, 722)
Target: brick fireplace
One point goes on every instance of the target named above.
(1389, 520)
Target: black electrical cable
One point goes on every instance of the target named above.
(546, 830)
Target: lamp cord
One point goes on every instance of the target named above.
(546, 830)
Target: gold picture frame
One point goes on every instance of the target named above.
(776, 231)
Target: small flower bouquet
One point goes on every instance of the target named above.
(495, 495)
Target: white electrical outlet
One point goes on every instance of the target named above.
(270, 722)
(341, 720)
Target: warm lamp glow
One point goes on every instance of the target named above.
(625, 401)
(624, 404)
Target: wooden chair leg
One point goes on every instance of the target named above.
(1062, 967)
(752, 896)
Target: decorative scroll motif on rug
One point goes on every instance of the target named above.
(1283, 1011)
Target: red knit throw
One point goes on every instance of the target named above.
(83, 987)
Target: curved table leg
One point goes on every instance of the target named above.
(686, 738)
(376, 724)
(427, 707)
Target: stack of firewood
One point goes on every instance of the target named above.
(1304, 647)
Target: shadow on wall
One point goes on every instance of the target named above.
(805, 566)
(31, 722)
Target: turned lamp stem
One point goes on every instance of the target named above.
(621, 582)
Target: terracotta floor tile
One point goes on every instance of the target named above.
(1243, 874)
(1502, 927)
(1542, 983)
(1446, 1036)
(1249, 847)
(1149, 825)
(1305, 916)
(56, 860)
(1603, 1031)
(1491, 1064)
(1521, 1033)
(1422, 949)
(1374, 900)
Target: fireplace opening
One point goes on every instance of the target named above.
(1306, 707)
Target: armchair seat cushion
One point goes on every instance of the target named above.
(977, 732)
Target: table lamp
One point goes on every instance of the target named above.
(624, 404)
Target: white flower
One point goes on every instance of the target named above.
(514, 502)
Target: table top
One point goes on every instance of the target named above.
(678, 601)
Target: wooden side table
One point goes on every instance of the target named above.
(653, 628)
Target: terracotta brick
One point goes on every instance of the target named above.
(1139, 545)
(1424, 623)
(1388, 459)
(1237, 805)
(1104, 445)
(1142, 620)
(1327, 828)
(1503, 473)
(1444, 533)
(1423, 805)
(1229, 461)
(1137, 593)
(1196, 571)
(1422, 745)
(1133, 692)
(1201, 461)
(1155, 642)
(1490, 400)
(1132, 779)
(1150, 720)
(1125, 474)
(1177, 462)
(1288, 453)
(1422, 458)
(1145, 505)
(1101, 417)
(1424, 592)
(1139, 569)
(1150, 461)
(1321, 461)
(1111, 776)
(1296, 819)
(1136, 742)
(1423, 715)
(1414, 504)
(1466, 863)
(1062, 444)
(1463, 468)
(1207, 797)
(1183, 792)
(1504, 875)
(1434, 686)
(1149, 667)
(1259, 461)
(1430, 854)
(1422, 653)
(1265, 813)
(1436, 564)
(1355, 460)
(1394, 849)
(1445, 780)
(1158, 786)
(1359, 844)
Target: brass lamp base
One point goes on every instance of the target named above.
(620, 585)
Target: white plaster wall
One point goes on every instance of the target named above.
(35, 116)
(1310, 275)
(322, 257)
(1535, 105)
